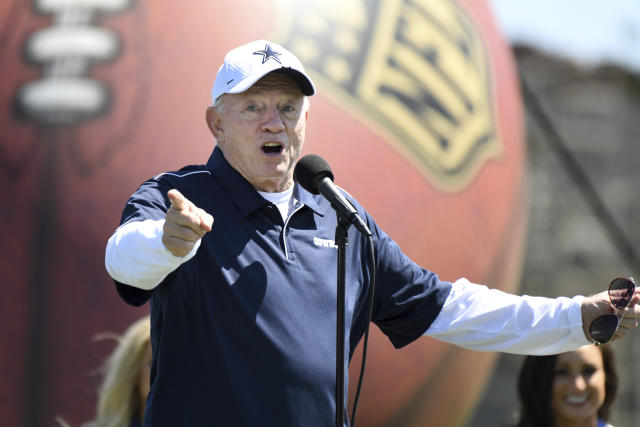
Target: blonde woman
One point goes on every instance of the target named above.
(124, 389)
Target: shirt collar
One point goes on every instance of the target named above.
(242, 193)
(307, 198)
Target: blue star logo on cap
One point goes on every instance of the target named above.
(267, 54)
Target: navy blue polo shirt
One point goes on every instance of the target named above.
(243, 333)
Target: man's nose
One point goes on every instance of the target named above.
(273, 121)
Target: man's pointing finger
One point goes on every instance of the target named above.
(177, 200)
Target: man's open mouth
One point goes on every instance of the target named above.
(272, 148)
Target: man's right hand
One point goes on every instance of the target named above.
(184, 225)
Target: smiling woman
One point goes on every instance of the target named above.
(576, 388)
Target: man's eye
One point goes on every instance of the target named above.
(252, 108)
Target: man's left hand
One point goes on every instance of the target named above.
(599, 304)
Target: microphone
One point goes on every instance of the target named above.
(314, 174)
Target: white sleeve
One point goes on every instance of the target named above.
(479, 318)
(136, 256)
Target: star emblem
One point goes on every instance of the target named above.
(268, 53)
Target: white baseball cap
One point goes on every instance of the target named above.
(246, 64)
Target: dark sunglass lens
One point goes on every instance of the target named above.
(621, 292)
(603, 328)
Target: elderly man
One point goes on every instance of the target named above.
(243, 311)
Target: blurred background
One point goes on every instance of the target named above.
(506, 130)
(580, 61)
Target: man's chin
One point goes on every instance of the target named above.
(274, 183)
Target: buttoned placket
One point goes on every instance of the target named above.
(296, 205)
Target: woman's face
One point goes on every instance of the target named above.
(578, 389)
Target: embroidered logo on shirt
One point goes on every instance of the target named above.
(324, 243)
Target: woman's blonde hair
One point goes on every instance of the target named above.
(118, 395)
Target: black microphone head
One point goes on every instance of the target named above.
(310, 168)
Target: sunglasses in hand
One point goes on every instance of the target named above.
(603, 328)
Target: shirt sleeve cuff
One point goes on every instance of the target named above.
(575, 319)
(137, 257)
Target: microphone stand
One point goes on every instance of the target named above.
(342, 241)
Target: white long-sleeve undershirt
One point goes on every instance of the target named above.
(479, 318)
(473, 316)
(136, 256)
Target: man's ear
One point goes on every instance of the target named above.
(213, 121)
